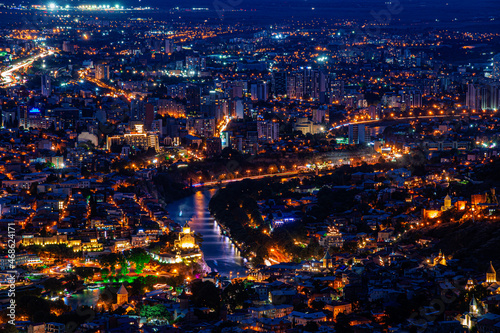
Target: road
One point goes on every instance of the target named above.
(374, 121)
(226, 181)
(287, 174)
(8, 79)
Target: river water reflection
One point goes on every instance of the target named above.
(87, 297)
(219, 253)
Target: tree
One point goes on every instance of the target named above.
(342, 323)
(318, 305)
(158, 311)
(143, 284)
(139, 257)
(84, 272)
(123, 265)
(106, 297)
(205, 294)
(311, 326)
(53, 285)
(236, 294)
(104, 273)
(109, 260)
(350, 247)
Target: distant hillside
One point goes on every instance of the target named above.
(475, 244)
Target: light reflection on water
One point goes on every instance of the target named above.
(219, 253)
(87, 297)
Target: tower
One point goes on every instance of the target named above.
(447, 203)
(186, 229)
(327, 260)
(470, 284)
(473, 308)
(491, 274)
(470, 318)
(122, 295)
(440, 259)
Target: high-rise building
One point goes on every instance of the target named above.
(358, 134)
(258, 91)
(201, 126)
(336, 91)
(472, 97)
(22, 114)
(279, 83)
(137, 110)
(236, 89)
(169, 46)
(46, 85)
(221, 108)
(290, 87)
(319, 115)
(102, 72)
(489, 97)
(412, 99)
(149, 115)
(67, 46)
(237, 109)
(171, 107)
(207, 105)
(483, 97)
(299, 85)
(193, 98)
(156, 45)
(134, 140)
(373, 112)
(496, 67)
(195, 64)
(268, 130)
(214, 146)
(309, 82)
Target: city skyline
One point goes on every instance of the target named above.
(235, 166)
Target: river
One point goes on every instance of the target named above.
(87, 298)
(219, 253)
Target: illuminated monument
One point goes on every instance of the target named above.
(186, 239)
(185, 248)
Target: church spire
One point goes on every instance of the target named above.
(491, 274)
(473, 308)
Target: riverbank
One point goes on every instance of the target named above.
(219, 252)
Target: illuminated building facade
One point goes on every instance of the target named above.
(135, 140)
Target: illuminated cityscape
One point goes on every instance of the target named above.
(285, 166)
